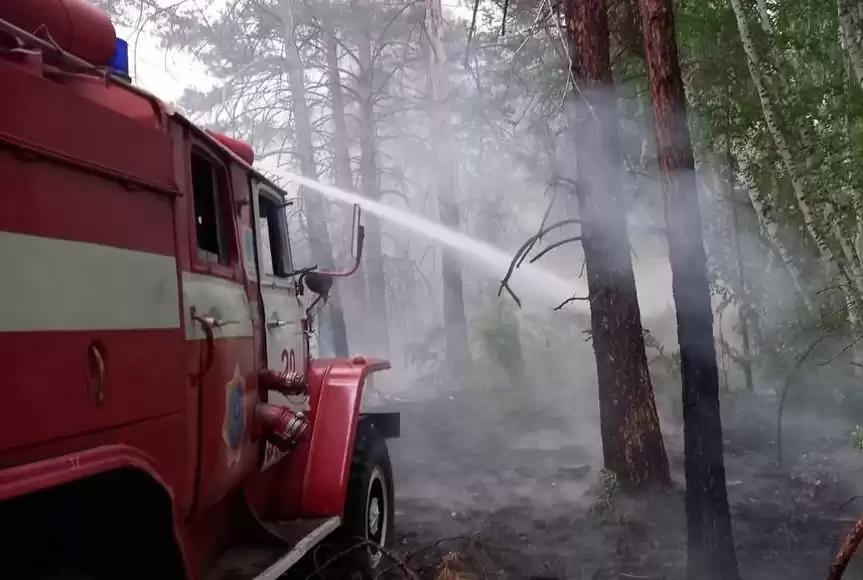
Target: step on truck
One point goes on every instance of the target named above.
(161, 415)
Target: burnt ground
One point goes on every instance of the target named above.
(527, 501)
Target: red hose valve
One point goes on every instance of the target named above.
(281, 426)
(287, 383)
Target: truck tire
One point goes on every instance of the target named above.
(369, 510)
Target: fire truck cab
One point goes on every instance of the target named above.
(161, 414)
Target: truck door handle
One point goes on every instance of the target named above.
(97, 364)
(218, 322)
(277, 323)
(207, 327)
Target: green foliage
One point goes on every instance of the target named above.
(509, 121)
(818, 108)
(857, 438)
(607, 495)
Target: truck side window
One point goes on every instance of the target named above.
(271, 224)
(209, 193)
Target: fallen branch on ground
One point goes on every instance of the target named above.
(363, 544)
(414, 553)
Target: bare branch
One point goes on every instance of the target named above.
(554, 246)
(572, 299)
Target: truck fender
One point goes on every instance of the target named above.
(336, 387)
(31, 477)
(56, 471)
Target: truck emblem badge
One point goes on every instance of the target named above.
(234, 426)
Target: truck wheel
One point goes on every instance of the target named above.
(369, 510)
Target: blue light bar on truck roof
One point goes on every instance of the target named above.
(120, 62)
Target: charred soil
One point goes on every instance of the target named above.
(531, 503)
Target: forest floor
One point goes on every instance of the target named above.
(533, 504)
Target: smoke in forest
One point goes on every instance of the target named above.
(519, 425)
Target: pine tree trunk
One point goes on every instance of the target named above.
(378, 329)
(341, 149)
(312, 204)
(632, 443)
(455, 323)
(710, 547)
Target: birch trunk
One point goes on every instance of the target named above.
(770, 231)
(313, 204)
(455, 322)
(747, 309)
(764, 16)
(850, 257)
(846, 262)
(770, 117)
(852, 36)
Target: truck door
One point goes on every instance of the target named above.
(219, 323)
(283, 311)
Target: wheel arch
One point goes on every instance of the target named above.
(317, 474)
(95, 510)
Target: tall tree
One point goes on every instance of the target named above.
(710, 547)
(851, 36)
(314, 205)
(632, 442)
(446, 168)
(747, 314)
(376, 288)
(341, 161)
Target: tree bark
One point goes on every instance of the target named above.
(852, 37)
(378, 325)
(455, 323)
(632, 443)
(746, 309)
(354, 287)
(770, 230)
(773, 126)
(710, 547)
(846, 261)
(313, 204)
(341, 150)
(764, 16)
(843, 557)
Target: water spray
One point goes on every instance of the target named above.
(529, 280)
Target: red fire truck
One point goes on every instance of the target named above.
(160, 413)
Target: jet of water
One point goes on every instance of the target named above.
(529, 280)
